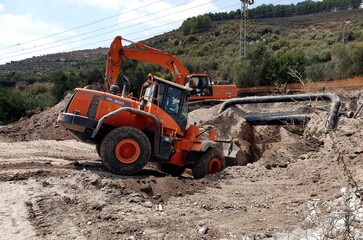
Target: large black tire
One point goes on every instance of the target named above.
(125, 150)
(211, 162)
(98, 149)
(171, 169)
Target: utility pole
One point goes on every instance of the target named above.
(243, 26)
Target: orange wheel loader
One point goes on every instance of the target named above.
(129, 132)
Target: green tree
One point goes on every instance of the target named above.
(356, 53)
(91, 76)
(197, 24)
(244, 74)
(291, 60)
(343, 62)
(12, 105)
(64, 81)
(264, 65)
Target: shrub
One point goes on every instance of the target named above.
(64, 81)
(291, 60)
(225, 72)
(279, 44)
(320, 72)
(37, 88)
(205, 49)
(191, 39)
(12, 105)
(176, 42)
(356, 54)
(177, 50)
(343, 62)
(325, 56)
(244, 74)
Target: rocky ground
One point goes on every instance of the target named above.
(300, 183)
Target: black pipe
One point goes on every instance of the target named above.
(277, 119)
(126, 88)
(346, 114)
(334, 107)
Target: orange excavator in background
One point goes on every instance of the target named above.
(201, 84)
(130, 132)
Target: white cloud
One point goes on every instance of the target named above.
(105, 4)
(17, 35)
(1, 7)
(151, 16)
(162, 16)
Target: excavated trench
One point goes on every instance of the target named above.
(269, 143)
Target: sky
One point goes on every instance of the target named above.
(37, 27)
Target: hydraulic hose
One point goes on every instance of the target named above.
(334, 107)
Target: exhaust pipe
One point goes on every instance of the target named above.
(334, 107)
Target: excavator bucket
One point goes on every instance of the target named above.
(230, 149)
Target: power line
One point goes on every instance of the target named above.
(97, 30)
(152, 34)
(82, 26)
(54, 46)
(118, 30)
(4, 55)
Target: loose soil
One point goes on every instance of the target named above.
(55, 187)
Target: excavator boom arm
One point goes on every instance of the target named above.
(145, 53)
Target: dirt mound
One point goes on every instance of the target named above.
(39, 126)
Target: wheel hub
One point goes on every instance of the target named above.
(215, 166)
(127, 151)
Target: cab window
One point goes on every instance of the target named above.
(184, 114)
(172, 101)
(161, 94)
(205, 82)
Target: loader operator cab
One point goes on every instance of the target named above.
(171, 97)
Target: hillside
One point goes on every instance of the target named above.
(312, 45)
(219, 41)
(316, 29)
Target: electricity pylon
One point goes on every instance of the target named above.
(243, 26)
